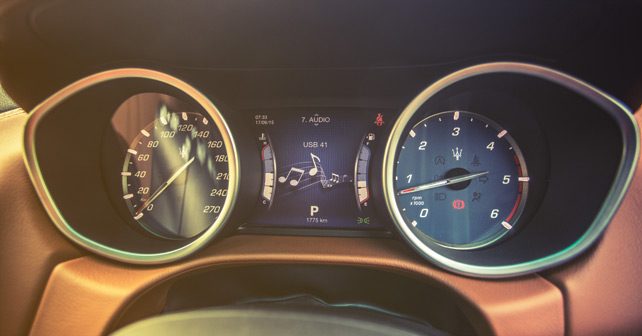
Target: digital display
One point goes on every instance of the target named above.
(316, 168)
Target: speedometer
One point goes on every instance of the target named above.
(176, 173)
(460, 180)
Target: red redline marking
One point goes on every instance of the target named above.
(519, 189)
(512, 213)
(519, 167)
(516, 159)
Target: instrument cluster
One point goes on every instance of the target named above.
(479, 165)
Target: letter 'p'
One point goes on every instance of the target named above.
(313, 210)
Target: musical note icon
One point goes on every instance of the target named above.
(335, 178)
(293, 181)
(295, 175)
(314, 170)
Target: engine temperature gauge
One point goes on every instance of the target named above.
(362, 171)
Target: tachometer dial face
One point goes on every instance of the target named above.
(175, 175)
(460, 180)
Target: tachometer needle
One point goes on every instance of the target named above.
(442, 183)
(164, 186)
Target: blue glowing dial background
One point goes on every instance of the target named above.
(468, 214)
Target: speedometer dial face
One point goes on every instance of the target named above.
(460, 180)
(175, 175)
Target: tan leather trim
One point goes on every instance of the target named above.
(603, 289)
(11, 113)
(86, 295)
(30, 246)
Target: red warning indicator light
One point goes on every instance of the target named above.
(379, 120)
(459, 204)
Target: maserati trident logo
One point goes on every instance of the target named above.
(457, 153)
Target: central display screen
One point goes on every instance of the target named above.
(316, 168)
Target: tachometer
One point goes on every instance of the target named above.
(460, 180)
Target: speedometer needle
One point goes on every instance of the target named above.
(164, 186)
(441, 183)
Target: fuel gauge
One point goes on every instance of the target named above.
(268, 166)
